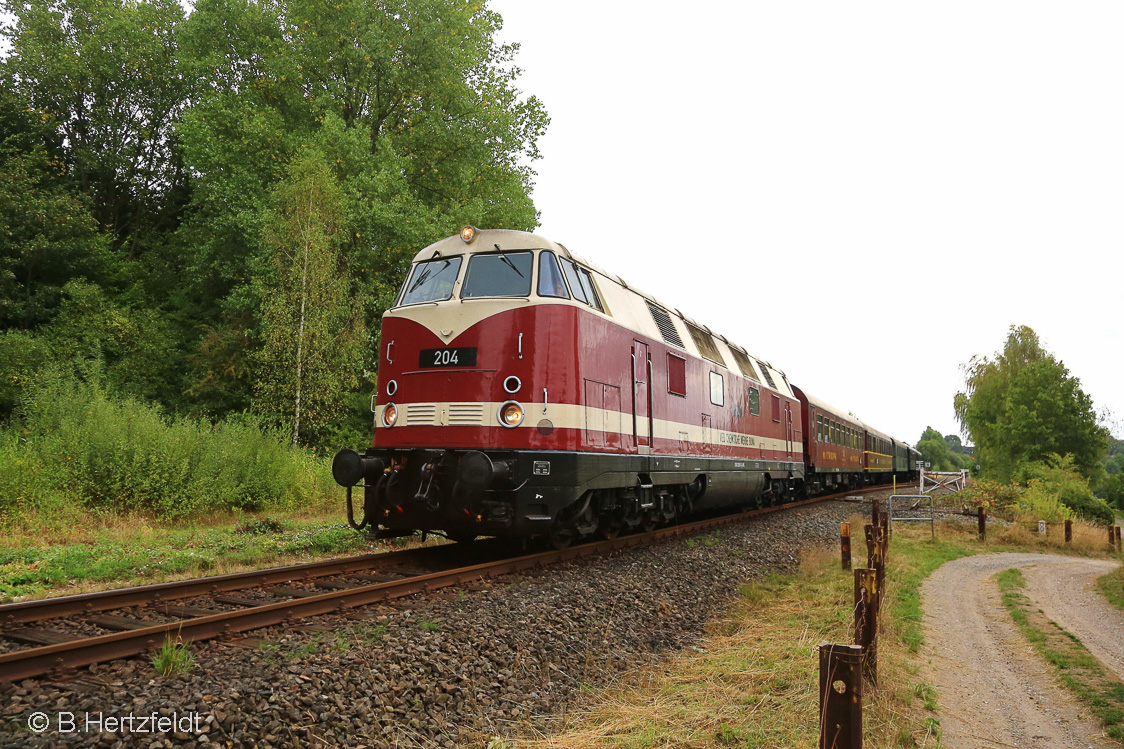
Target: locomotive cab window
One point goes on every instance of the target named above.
(717, 389)
(550, 277)
(431, 281)
(498, 274)
(581, 284)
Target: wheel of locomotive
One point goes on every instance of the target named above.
(608, 530)
(648, 522)
(561, 536)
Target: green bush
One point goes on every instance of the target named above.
(1059, 478)
(74, 444)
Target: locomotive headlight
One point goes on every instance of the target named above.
(511, 414)
(468, 233)
(389, 415)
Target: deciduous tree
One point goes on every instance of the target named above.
(1024, 405)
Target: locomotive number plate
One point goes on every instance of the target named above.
(464, 356)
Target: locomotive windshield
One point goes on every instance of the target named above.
(432, 281)
(498, 274)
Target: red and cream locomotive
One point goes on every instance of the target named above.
(524, 392)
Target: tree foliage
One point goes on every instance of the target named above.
(150, 167)
(1023, 405)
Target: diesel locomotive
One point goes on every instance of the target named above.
(524, 392)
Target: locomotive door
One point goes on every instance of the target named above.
(788, 429)
(641, 398)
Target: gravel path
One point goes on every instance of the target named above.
(447, 670)
(994, 690)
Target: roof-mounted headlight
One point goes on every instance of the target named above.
(468, 233)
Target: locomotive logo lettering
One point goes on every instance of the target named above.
(729, 438)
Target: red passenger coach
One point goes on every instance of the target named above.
(524, 392)
(834, 451)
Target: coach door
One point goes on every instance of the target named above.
(641, 398)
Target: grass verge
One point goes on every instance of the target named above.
(752, 682)
(1076, 666)
(1112, 587)
(135, 551)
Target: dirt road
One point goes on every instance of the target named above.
(994, 690)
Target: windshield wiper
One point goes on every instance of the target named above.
(425, 274)
(507, 260)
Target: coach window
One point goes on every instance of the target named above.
(498, 274)
(550, 277)
(676, 375)
(717, 389)
(754, 401)
(819, 427)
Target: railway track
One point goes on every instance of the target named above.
(190, 609)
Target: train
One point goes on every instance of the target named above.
(523, 392)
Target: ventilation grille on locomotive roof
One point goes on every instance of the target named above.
(745, 365)
(768, 375)
(667, 329)
(706, 344)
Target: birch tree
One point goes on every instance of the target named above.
(312, 330)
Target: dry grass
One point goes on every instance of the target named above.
(753, 680)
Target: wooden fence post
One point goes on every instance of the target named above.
(845, 544)
(1068, 532)
(981, 513)
(841, 697)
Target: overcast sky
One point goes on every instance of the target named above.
(864, 194)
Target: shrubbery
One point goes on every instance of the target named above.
(1052, 491)
(73, 446)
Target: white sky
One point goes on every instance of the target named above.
(944, 170)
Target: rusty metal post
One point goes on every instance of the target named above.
(882, 535)
(841, 697)
(1068, 532)
(845, 544)
(875, 512)
(868, 596)
(875, 557)
(1112, 538)
(981, 513)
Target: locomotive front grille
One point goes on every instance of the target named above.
(444, 414)
(466, 414)
(421, 414)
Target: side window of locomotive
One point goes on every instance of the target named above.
(550, 277)
(717, 389)
(676, 375)
(431, 281)
(754, 402)
(590, 289)
(572, 277)
(498, 274)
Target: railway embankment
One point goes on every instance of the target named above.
(509, 662)
(452, 669)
